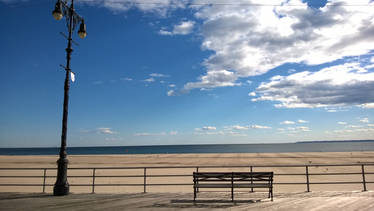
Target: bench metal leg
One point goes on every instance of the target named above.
(271, 192)
(194, 193)
(232, 193)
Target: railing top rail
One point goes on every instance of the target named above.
(207, 166)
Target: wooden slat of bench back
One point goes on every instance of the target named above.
(235, 176)
(233, 180)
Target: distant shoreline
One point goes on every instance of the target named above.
(338, 141)
(311, 146)
(303, 142)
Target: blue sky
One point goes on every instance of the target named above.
(189, 72)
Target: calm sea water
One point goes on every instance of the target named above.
(346, 146)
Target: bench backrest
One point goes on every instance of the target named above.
(255, 177)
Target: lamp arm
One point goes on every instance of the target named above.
(66, 9)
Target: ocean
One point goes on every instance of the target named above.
(338, 146)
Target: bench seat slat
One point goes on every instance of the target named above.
(219, 185)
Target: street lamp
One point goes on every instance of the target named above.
(62, 8)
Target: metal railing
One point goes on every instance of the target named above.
(251, 168)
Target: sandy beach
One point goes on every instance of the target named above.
(167, 160)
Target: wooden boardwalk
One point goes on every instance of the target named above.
(339, 201)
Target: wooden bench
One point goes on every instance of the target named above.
(233, 180)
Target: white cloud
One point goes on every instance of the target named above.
(302, 121)
(158, 75)
(364, 120)
(342, 123)
(287, 122)
(214, 78)
(303, 129)
(149, 80)
(294, 130)
(355, 130)
(239, 127)
(250, 41)
(252, 94)
(171, 133)
(242, 128)
(171, 85)
(171, 93)
(160, 7)
(101, 130)
(183, 28)
(150, 134)
(354, 126)
(206, 128)
(259, 127)
(340, 85)
(367, 105)
(126, 79)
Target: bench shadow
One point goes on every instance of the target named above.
(7, 196)
(201, 203)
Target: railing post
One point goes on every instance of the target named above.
(251, 168)
(363, 177)
(307, 178)
(93, 180)
(145, 180)
(45, 174)
(197, 171)
(232, 186)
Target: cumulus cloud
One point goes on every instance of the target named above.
(302, 121)
(340, 85)
(287, 122)
(252, 94)
(247, 127)
(206, 128)
(260, 127)
(355, 130)
(183, 28)
(214, 78)
(238, 127)
(250, 41)
(293, 130)
(158, 75)
(364, 120)
(155, 76)
(354, 126)
(101, 130)
(160, 7)
(171, 93)
(149, 80)
(126, 79)
(342, 123)
(303, 129)
(171, 133)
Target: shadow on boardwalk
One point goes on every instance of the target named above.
(176, 201)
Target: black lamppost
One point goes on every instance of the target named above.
(62, 8)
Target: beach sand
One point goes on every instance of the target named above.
(193, 160)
